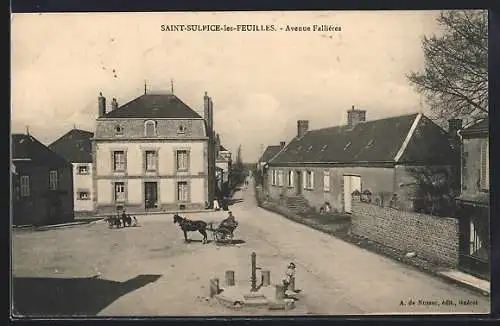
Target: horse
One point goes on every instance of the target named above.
(191, 226)
(114, 221)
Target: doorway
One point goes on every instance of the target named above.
(298, 182)
(351, 183)
(150, 195)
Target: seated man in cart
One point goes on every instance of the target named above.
(229, 222)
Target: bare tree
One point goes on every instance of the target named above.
(455, 78)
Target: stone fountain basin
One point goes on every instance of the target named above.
(240, 296)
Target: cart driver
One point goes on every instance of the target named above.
(229, 222)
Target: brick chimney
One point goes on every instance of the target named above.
(302, 128)
(355, 116)
(101, 100)
(208, 112)
(114, 104)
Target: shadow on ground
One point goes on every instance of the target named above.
(231, 202)
(231, 242)
(60, 297)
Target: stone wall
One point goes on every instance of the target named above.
(430, 237)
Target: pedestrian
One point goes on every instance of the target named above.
(289, 280)
(216, 204)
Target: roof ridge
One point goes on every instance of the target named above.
(368, 121)
(160, 106)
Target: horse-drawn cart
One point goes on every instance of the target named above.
(222, 233)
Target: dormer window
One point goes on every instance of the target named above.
(118, 129)
(150, 128)
(181, 129)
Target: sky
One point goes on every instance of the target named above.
(261, 82)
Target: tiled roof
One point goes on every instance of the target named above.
(28, 147)
(269, 153)
(154, 106)
(375, 141)
(478, 127)
(222, 149)
(74, 146)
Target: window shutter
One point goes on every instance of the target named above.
(484, 165)
(326, 181)
(312, 179)
(487, 160)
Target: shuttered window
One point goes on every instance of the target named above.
(326, 180)
(150, 160)
(290, 178)
(25, 185)
(182, 160)
(119, 192)
(309, 180)
(182, 191)
(53, 180)
(485, 171)
(281, 175)
(119, 161)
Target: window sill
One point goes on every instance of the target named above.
(87, 173)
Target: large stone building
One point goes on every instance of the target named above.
(42, 183)
(327, 165)
(75, 146)
(154, 153)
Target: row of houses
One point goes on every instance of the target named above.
(154, 153)
(381, 158)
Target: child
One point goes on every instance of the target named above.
(290, 277)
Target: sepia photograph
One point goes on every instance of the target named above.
(239, 163)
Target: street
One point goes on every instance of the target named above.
(150, 271)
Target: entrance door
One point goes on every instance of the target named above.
(150, 195)
(351, 183)
(298, 182)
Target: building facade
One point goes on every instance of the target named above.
(262, 164)
(379, 157)
(152, 154)
(223, 164)
(75, 146)
(474, 199)
(42, 184)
